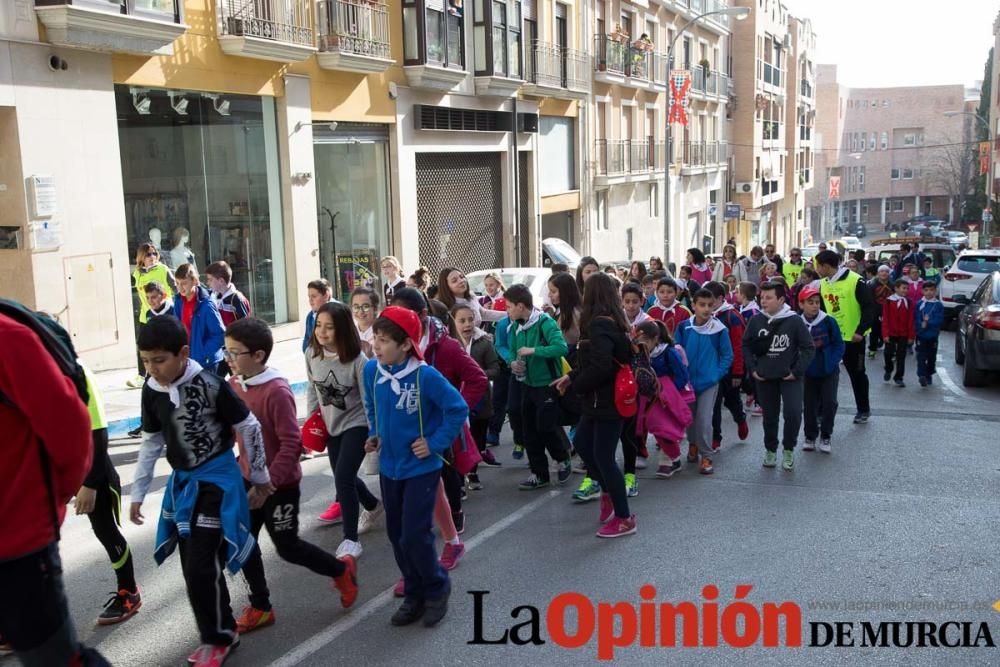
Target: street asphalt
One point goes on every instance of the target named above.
(901, 516)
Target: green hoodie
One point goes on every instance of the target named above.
(542, 333)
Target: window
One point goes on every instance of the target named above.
(888, 205)
(885, 140)
(894, 174)
(864, 141)
(897, 205)
(500, 55)
(861, 179)
(907, 174)
(885, 103)
(871, 144)
(556, 141)
(441, 23)
(864, 210)
(909, 139)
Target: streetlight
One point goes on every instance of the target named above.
(989, 169)
(738, 13)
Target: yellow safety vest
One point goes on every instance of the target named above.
(841, 303)
(158, 273)
(791, 272)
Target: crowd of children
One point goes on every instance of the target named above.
(429, 384)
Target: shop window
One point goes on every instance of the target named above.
(202, 182)
(556, 141)
(434, 33)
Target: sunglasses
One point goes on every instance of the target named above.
(152, 253)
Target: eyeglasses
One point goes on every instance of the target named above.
(796, 254)
(361, 307)
(231, 354)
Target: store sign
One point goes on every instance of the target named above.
(732, 211)
(357, 269)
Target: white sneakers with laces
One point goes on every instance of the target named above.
(349, 548)
(369, 520)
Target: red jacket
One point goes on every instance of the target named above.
(897, 319)
(672, 318)
(736, 325)
(49, 417)
(451, 360)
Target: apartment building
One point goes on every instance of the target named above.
(628, 111)
(292, 138)
(891, 153)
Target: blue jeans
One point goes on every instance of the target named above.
(409, 521)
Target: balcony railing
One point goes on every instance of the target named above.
(625, 59)
(705, 153)
(288, 21)
(554, 66)
(358, 27)
(623, 157)
(710, 82)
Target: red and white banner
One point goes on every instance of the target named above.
(680, 84)
(835, 187)
(984, 158)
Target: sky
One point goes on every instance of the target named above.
(877, 43)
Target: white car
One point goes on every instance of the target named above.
(956, 238)
(851, 242)
(964, 276)
(536, 278)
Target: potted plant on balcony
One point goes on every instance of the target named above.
(619, 35)
(706, 67)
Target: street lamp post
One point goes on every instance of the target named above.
(738, 13)
(989, 168)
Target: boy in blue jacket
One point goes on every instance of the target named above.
(196, 310)
(414, 414)
(823, 373)
(929, 315)
(710, 354)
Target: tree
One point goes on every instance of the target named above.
(977, 202)
(952, 167)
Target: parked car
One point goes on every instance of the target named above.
(956, 238)
(941, 253)
(555, 251)
(964, 276)
(536, 278)
(851, 242)
(977, 342)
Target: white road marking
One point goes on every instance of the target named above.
(947, 381)
(322, 639)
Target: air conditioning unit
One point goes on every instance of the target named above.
(745, 188)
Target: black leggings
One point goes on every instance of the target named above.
(105, 520)
(346, 452)
(630, 445)
(280, 514)
(597, 442)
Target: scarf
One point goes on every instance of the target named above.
(172, 390)
(901, 301)
(924, 300)
(219, 297)
(640, 318)
(412, 364)
(713, 326)
(532, 319)
(667, 310)
(658, 350)
(263, 377)
(723, 308)
(820, 316)
(785, 311)
(164, 308)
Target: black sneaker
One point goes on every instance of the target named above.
(862, 417)
(900, 383)
(489, 460)
(887, 376)
(408, 612)
(923, 381)
(533, 483)
(565, 471)
(120, 607)
(136, 432)
(459, 519)
(434, 611)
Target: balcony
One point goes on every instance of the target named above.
(353, 36)
(627, 161)
(701, 155)
(621, 62)
(709, 83)
(771, 77)
(279, 30)
(554, 71)
(694, 8)
(143, 27)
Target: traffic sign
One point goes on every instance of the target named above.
(987, 216)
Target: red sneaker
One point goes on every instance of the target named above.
(254, 619)
(399, 590)
(451, 555)
(332, 514)
(347, 583)
(618, 527)
(607, 508)
(716, 445)
(743, 429)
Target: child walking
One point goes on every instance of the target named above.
(929, 318)
(778, 349)
(414, 414)
(506, 396)
(729, 387)
(667, 309)
(823, 374)
(194, 307)
(268, 395)
(192, 412)
(710, 355)
(334, 366)
(479, 345)
(318, 291)
(898, 331)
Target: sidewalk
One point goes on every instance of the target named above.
(122, 403)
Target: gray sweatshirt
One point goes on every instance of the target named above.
(337, 390)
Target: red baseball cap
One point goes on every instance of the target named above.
(807, 292)
(408, 321)
(314, 433)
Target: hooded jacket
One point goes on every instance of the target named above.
(934, 312)
(602, 349)
(709, 352)
(779, 345)
(207, 334)
(447, 355)
(269, 397)
(829, 345)
(542, 333)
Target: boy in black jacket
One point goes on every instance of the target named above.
(778, 348)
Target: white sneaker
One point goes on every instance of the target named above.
(824, 445)
(136, 382)
(349, 548)
(809, 445)
(640, 463)
(369, 520)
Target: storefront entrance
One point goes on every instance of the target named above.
(352, 195)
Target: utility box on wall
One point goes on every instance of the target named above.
(92, 316)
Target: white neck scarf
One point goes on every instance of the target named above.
(393, 379)
(820, 316)
(713, 326)
(263, 377)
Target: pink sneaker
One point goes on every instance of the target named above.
(399, 590)
(332, 514)
(618, 527)
(451, 555)
(607, 508)
(210, 655)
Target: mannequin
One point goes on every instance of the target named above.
(180, 253)
(156, 237)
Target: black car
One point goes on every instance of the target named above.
(977, 342)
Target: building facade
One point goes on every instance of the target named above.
(892, 153)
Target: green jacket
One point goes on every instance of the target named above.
(542, 333)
